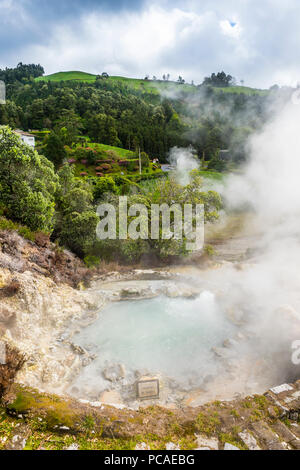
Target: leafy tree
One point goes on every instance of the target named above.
(180, 80)
(27, 183)
(103, 186)
(54, 149)
(145, 160)
(21, 73)
(68, 127)
(76, 218)
(168, 192)
(218, 80)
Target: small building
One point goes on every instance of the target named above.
(27, 138)
(225, 155)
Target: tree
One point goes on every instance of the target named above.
(219, 80)
(27, 183)
(68, 127)
(167, 192)
(76, 218)
(180, 80)
(54, 149)
(21, 73)
(103, 186)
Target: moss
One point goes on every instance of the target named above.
(287, 423)
(233, 440)
(256, 415)
(56, 412)
(235, 414)
(217, 403)
(89, 423)
(209, 250)
(261, 401)
(7, 425)
(207, 423)
(176, 429)
(188, 443)
(247, 403)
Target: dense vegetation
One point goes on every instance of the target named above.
(32, 193)
(89, 130)
(128, 113)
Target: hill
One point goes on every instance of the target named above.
(242, 90)
(64, 76)
(151, 86)
(136, 83)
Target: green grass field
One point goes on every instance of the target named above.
(150, 86)
(211, 175)
(136, 83)
(122, 153)
(242, 90)
(64, 76)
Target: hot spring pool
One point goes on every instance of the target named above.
(170, 337)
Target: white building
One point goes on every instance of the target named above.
(26, 137)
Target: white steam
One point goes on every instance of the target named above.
(184, 161)
(268, 289)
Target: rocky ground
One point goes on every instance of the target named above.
(40, 310)
(36, 421)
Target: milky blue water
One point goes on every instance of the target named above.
(163, 335)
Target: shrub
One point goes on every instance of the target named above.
(105, 167)
(91, 261)
(28, 183)
(25, 232)
(102, 186)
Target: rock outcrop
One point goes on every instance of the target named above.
(42, 257)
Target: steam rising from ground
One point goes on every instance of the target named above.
(270, 186)
(184, 161)
(260, 296)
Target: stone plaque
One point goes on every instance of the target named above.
(148, 389)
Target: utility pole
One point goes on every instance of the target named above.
(140, 160)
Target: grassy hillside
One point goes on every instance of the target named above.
(242, 89)
(64, 76)
(122, 153)
(136, 83)
(148, 85)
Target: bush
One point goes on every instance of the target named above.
(91, 261)
(25, 232)
(102, 186)
(86, 153)
(28, 183)
(216, 164)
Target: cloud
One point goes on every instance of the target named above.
(141, 37)
(230, 28)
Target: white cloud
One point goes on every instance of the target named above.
(259, 45)
(13, 12)
(133, 43)
(230, 28)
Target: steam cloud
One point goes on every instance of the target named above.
(260, 295)
(268, 289)
(184, 161)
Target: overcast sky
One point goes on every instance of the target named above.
(253, 40)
